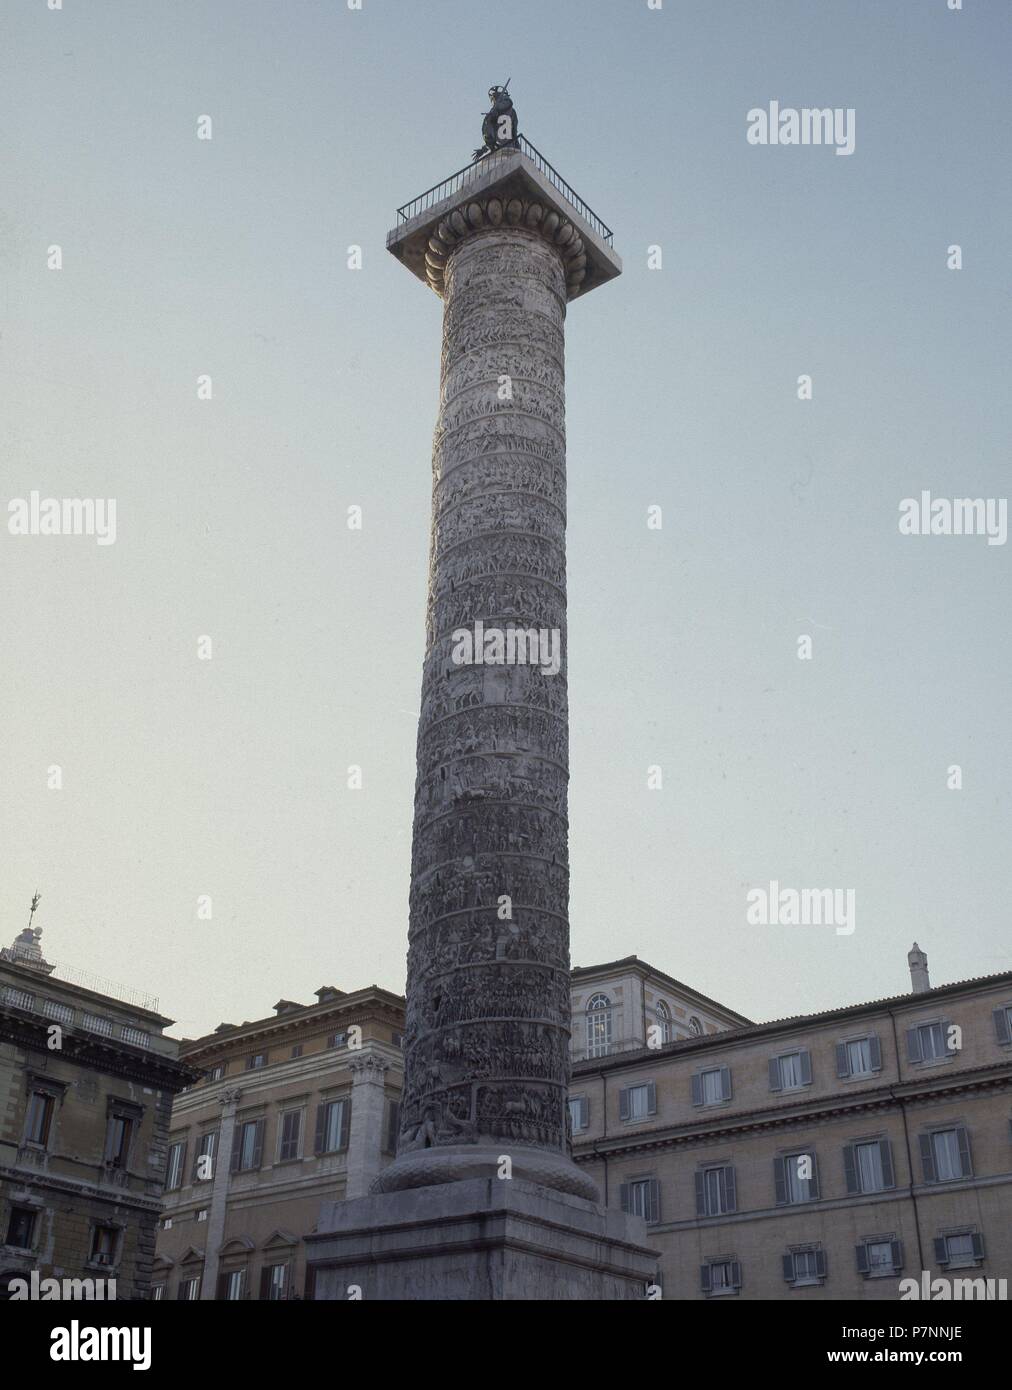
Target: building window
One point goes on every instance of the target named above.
(39, 1119)
(720, 1277)
(166, 1223)
(256, 1061)
(291, 1135)
(94, 1024)
(805, 1266)
(189, 1289)
(234, 1285)
(18, 998)
(247, 1146)
(868, 1166)
(858, 1057)
(696, 1026)
(642, 1197)
(274, 1283)
(104, 1242)
(176, 1165)
(929, 1042)
(203, 1159)
(333, 1118)
(664, 1021)
(21, 1228)
(119, 1133)
(297, 1050)
(579, 1113)
(393, 1125)
(136, 1036)
(791, 1070)
(796, 1178)
(637, 1102)
(157, 1293)
(945, 1155)
(715, 1191)
(876, 1258)
(397, 1039)
(202, 1213)
(337, 1039)
(599, 1026)
(712, 1086)
(1003, 1024)
(216, 1072)
(959, 1250)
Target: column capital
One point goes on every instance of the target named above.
(368, 1067)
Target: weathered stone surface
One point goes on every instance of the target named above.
(479, 1240)
(487, 1037)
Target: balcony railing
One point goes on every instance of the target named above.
(472, 171)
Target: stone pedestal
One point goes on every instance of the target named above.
(479, 1240)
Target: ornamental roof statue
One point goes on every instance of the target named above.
(499, 125)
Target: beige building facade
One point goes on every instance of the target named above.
(827, 1156)
(86, 1088)
(291, 1111)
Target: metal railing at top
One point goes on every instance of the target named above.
(124, 994)
(472, 171)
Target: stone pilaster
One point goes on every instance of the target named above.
(218, 1209)
(365, 1134)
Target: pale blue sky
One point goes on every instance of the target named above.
(228, 257)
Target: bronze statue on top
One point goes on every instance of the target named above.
(499, 126)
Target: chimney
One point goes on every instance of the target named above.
(918, 962)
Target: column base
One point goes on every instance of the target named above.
(478, 1240)
(460, 1162)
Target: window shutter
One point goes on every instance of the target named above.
(875, 1048)
(886, 1159)
(393, 1124)
(236, 1143)
(1001, 1025)
(977, 1242)
(182, 1163)
(813, 1185)
(321, 1123)
(842, 1064)
(736, 1274)
(623, 1198)
(584, 1112)
(222, 1286)
(654, 1200)
(806, 1068)
(775, 1074)
(850, 1169)
(345, 1123)
(788, 1264)
(623, 1103)
(820, 1263)
(697, 1099)
(928, 1158)
(651, 1098)
(913, 1045)
(862, 1259)
(729, 1187)
(700, 1195)
(780, 1180)
(265, 1283)
(725, 1083)
(258, 1143)
(941, 1251)
(965, 1162)
(110, 1137)
(704, 1278)
(897, 1255)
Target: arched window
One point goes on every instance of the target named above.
(599, 1026)
(664, 1020)
(696, 1026)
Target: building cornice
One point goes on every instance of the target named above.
(106, 1055)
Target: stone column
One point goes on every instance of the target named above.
(487, 1041)
(365, 1135)
(218, 1210)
